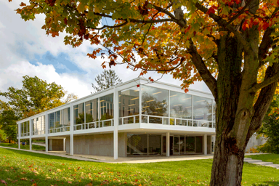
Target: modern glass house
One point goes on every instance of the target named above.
(135, 118)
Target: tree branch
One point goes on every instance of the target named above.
(265, 45)
(202, 69)
(262, 104)
(269, 79)
(135, 20)
(225, 24)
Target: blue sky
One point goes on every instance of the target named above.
(26, 50)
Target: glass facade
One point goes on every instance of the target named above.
(59, 121)
(158, 106)
(154, 105)
(38, 125)
(129, 106)
(25, 128)
(202, 111)
(180, 107)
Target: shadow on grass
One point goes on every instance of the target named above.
(19, 177)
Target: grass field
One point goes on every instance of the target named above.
(27, 168)
(274, 158)
(34, 147)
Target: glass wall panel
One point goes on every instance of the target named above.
(51, 120)
(92, 111)
(136, 144)
(43, 125)
(190, 144)
(198, 142)
(176, 145)
(106, 109)
(65, 117)
(129, 105)
(154, 102)
(202, 110)
(180, 107)
(182, 144)
(154, 144)
(79, 114)
(57, 119)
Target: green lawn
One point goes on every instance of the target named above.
(274, 158)
(34, 147)
(27, 168)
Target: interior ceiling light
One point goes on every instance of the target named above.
(173, 95)
(156, 93)
(200, 100)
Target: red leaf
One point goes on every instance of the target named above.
(211, 10)
(138, 85)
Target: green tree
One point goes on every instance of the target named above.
(35, 96)
(8, 119)
(107, 79)
(270, 128)
(225, 43)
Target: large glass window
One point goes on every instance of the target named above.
(59, 120)
(92, 111)
(129, 106)
(25, 128)
(202, 110)
(180, 107)
(154, 102)
(154, 144)
(106, 107)
(136, 144)
(51, 120)
(79, 114)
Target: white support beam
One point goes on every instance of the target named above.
(71, 130)
(63, 144)
(205, 144)
(116, 124)
(168, 144)
(46, 132)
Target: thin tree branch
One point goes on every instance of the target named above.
(224, 24)
(202, 69)
(265, 45)
(266, 82)
(239, 13)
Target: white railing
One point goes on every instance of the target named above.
(59, 129)
(129, 119)
(164, 120)
(95, 124)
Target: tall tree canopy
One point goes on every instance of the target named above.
(105, 80)
(225, 43)
(35, 96)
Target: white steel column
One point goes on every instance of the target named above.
(46, 132)
(140, 102)
(168, 144)
(30, 134)
(205, 144)
(19, 134)
(63, 144)
(71, 130)
(116, 123)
